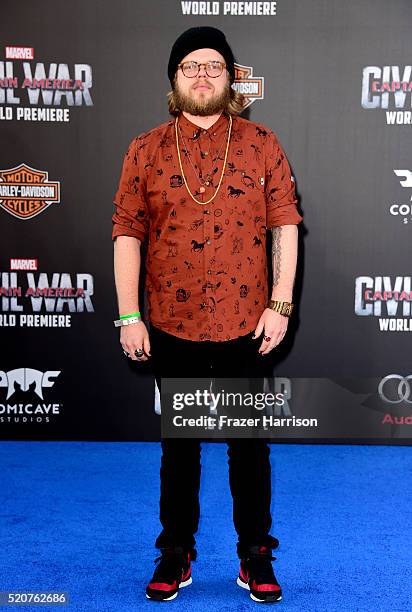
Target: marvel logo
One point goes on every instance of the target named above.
(20, 53)
(23, 264)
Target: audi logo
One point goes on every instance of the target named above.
(402, 389)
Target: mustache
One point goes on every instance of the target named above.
(202, 84)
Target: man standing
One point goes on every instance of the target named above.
(204, 187)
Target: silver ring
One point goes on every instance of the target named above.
(139, 352)
(126, 353)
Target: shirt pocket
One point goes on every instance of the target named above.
(244, 180)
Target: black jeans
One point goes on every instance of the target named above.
(249, 459)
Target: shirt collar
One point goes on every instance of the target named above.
(193, 131)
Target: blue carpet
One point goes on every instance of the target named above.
(81, 517)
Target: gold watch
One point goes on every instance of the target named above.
(283, 308)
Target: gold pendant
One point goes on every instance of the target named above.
(202, 189)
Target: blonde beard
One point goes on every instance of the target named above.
(204, 108)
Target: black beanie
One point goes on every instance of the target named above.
(204, 37)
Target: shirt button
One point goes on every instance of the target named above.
(214, 133)
(208, 242)
(207, 212)
(205, 153)
(209, 271)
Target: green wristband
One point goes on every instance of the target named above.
(134, 314)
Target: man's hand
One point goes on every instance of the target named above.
(135, 336)
(275, 326)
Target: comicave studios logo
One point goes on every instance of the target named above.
(388, 87)
(29, 382)
(26, 192)
(387, 299)
(45, 88)
(31, 299)
(235, 9)
(396, 391)
(403, 210)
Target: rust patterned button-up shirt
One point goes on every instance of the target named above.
(206, 264)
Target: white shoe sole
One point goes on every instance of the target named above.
(245, 585)
(242, 584)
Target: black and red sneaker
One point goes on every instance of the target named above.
(172, 572)
(256, 575)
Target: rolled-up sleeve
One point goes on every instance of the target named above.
(131, 216)
(281, 200)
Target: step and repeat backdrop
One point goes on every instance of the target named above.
(78, 80)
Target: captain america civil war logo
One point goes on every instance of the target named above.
(388, 88)
(36, 91)
(29, 298)
(386, 298)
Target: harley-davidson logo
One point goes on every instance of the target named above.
(250, 86)
(26, 192)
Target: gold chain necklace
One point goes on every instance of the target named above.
(224, 163)
(209, 176)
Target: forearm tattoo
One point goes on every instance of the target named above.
(276, 253)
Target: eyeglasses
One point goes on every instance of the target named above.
(191, 69)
